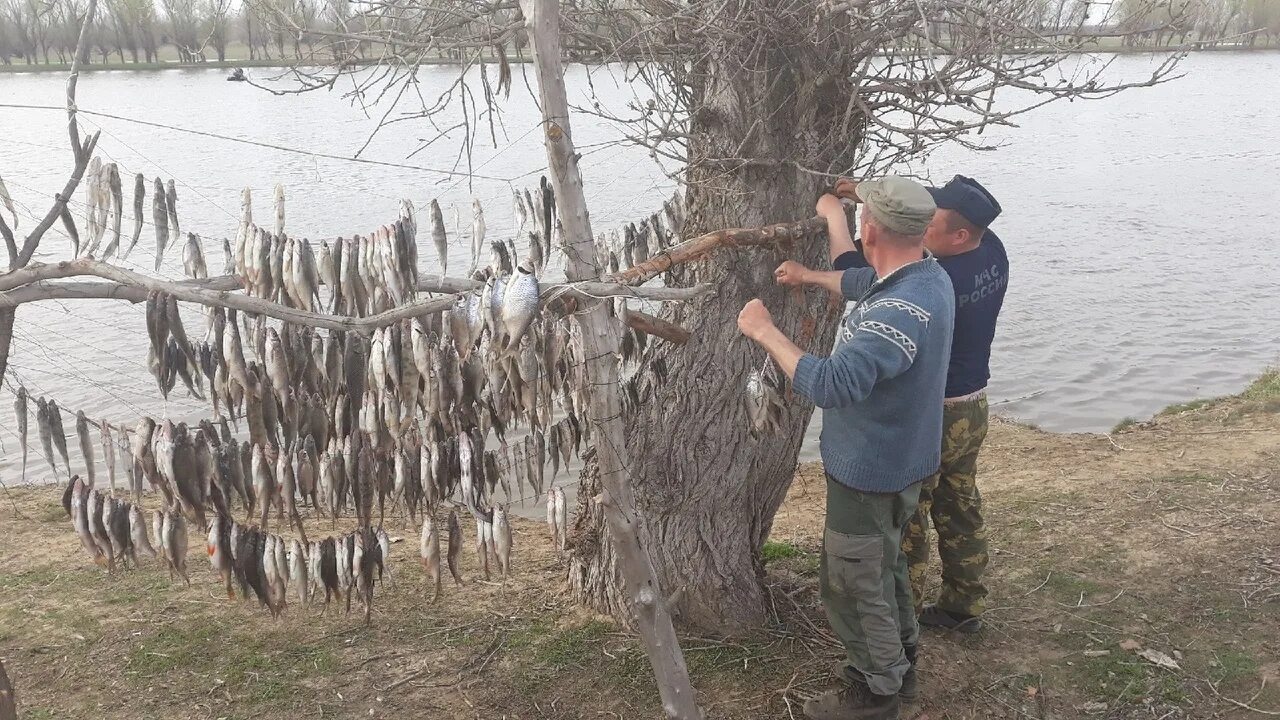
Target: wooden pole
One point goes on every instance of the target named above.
(600, 339)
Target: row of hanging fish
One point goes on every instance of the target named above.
(53, 439)
(267, 566)
(114, 531)
(365, 275)
(104, 210)
(635, 244)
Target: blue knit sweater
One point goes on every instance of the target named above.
(881, 390)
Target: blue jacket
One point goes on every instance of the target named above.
(881, 390)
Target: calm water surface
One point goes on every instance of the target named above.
(1141, 229)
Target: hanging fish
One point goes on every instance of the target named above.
(218, 546)
(20, 410)
(193, 262)
(439, 237)
(138, 532)
(279, 209)
(430, 551)
(91, 187)
(763, 399)
(7, 200)
(117, 209)
(160, 218)
(298, 572)
(59, 435)
(502, 540)
(455, 546)
(171, 204)
(477, 231)
(98, 529)
(553, 523)
(139, 195)
(86, 445)
(562, 518)
(80, 510)
(519, 304)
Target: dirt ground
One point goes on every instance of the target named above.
(1111, 554)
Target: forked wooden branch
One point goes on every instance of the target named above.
(699, 247)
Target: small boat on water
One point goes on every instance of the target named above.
(236, 75)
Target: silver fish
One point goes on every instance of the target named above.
(279, 209)
(502, 540)
(439, 237)
(477, 231)
(7, 201)
(298, 572)
(59, 435)
(193, 262)
(430, 552)
(91, 187)
(86, 445)
(117, 210)
(218, 546)
(176, 543)
(138, 532)
(157, 528)
(763, 400)
(139, 195)
(520, 303)
(160, 218)
(20, 410)
(108, 453)
(171, 204)
(562, 518)
(80, 509)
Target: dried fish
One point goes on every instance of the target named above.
(455, 547)
(430, 552)
(519, 304)
(59, 435)
(108, 453)
(171, 204)
(193, 262)
(20, 410)
(86, 445)
(160, 218)
(139, 195)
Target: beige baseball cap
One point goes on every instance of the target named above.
(899, 204)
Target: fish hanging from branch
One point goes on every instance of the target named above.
(439, 237)
(171, 204)
(86, 446)
(477, 232)
(139, 196)
(20, 411)
(7, 201)
(279, 209)
(193, 262)
(117, 210)
(160, 217)
(91, 188)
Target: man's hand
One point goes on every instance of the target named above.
(791, 273)
(847, 189)
(829, 206)
(754, 320)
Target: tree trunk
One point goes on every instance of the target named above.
(706, 489)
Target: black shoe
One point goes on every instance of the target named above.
(910, 690)
(853, 701)
(934, 616)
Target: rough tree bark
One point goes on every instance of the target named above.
(706, 489)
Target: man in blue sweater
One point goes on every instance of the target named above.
(881, 393)
(975, 259)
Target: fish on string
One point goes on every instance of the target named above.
(139, 197)
(160, 219)
(20, 412)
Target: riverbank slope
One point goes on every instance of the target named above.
(1112, 555)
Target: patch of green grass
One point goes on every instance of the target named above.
(527, 635)
(1266, 387)
(1070, 586)
(773, 550)
(38, 713)
(1126, 680)
(261, 668)
(574, 647)
(1233, 666)
(798, 559)
(52, 513)
(1187, 479)
(35, 577)
(1124, 424)
(1178, 408)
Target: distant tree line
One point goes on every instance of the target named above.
(45, 31)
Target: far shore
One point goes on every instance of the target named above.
(230, 64)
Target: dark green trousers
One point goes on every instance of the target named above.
(864, 583)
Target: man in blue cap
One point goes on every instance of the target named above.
(973, 256)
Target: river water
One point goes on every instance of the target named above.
(1141, 229)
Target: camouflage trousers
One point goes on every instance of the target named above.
(950, 498)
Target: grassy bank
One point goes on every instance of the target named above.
(1105, 551)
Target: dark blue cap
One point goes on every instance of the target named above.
(967, 197)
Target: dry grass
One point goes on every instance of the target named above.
(1164, 537)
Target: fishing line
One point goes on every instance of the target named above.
(256, 143)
